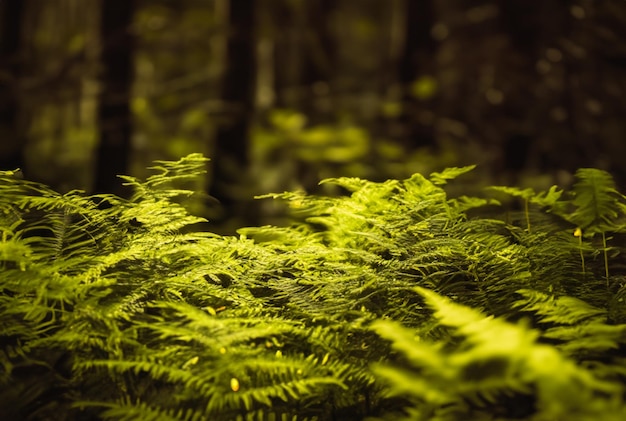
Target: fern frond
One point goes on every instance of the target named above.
(170, 173)
(492, 359)
(596, 200)
(388, 302)
(127, 410)
(441, 178)
(559, 310)
(580, 331)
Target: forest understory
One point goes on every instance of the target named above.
(394, 300)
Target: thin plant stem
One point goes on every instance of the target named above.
(578, 233)
(606, 259)
(527, 215)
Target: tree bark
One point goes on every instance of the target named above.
(419, 50)
(231, 158)
(114, 115)
(303, 53)
(11, 140)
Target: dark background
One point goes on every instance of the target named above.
(282, 93)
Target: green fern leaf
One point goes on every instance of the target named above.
(596, 200)
(442, 178)
(562, 310)
(526, 194)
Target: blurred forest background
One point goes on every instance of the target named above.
(282, 93)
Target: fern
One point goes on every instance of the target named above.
(122, 309)
(458, 380)
(580, 330)
(548, 199)
(125, 409)
(597, 202)
(441, 178)
(561, 310)
(598, 205)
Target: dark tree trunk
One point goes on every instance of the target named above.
(419, 45)
(11, 140)
(320, 54)
(303, 54)
(419, 50)
(520, 21)
(287, 53)
(231, 158)
(114, 115)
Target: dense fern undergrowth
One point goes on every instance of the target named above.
(393, 302)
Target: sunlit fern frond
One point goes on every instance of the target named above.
(390, 297)
(580, 331)
(495, 364)
(450, 173)
(224, 365)
(596, 200)
(170, 179)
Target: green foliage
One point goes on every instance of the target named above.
(490, 367)
(396, 301)
(597, 202)
(593, 206)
